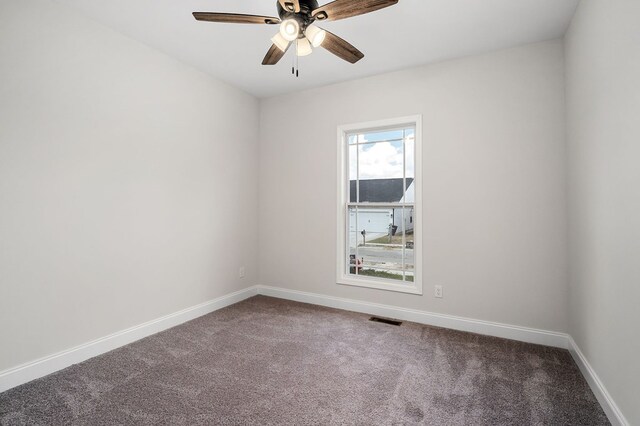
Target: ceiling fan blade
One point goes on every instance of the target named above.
(341, 48)
(274, 55)
(341, 9)
(235, 18)
(290, 5)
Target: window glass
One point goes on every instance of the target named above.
(380, 242)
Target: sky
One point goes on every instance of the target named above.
(380, 160)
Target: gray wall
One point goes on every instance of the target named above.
(128, 183)
(603, 128)
(494, 184)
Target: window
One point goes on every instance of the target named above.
(379, 205)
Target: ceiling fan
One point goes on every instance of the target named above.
(296, 20)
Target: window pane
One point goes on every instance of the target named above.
(380, 160)
(353, 242)
(353, 173)
(404, 236)
(410, 152)
(374, 242)
(380, 190)
(380, 168)
(410, 133)
(386, 135)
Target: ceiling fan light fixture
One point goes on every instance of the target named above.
(280, 42)
(295, 20)
(315, 35)
(303, 47)
(289, 29)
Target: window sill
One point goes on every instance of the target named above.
(410, 288)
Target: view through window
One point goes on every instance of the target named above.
(380, 205)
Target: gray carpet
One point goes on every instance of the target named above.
(270, 361)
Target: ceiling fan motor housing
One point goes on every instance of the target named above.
(303, 17)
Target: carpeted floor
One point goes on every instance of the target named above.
(270, 361)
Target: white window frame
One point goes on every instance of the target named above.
(343, 278)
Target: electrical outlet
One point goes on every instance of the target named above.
(241, 272)
(438, 291)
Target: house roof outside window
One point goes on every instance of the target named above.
(379, 190)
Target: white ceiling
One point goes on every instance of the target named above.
(411, 33)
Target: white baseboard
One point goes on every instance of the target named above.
(606, 401)
(523, 334)
(52, 363)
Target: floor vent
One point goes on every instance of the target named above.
(385, 321)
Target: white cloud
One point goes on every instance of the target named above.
(378, 161)
(382, 160)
